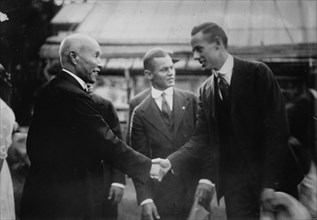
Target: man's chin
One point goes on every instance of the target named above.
(203, 66)
(93, 78)
(92, 81)
(171, 85)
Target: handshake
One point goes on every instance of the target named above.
(159, 168)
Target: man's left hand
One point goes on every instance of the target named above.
(267, 199)
(116, 194)
(204, 194)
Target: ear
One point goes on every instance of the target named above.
(148, 74)
(72, 57)
(218, 41)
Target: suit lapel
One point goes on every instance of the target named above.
(151, 114)
(238, 82)
(180, 106)
(65, 76)
(210, 97)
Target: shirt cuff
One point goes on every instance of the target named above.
(206, 182)
(120, 185)
(146, 201)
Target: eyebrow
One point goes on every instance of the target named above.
(167, 67)
(164, 67)
(196, 47)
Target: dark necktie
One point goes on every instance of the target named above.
(165, 107)
(223, 87)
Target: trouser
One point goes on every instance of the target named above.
(242, 196)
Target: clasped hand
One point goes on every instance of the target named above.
(159, 168)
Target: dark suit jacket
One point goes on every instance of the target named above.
(258, 119)
(134, 102)
(67, 139)
(151, 136)
(301, 114)
(104, 207)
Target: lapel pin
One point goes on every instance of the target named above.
(183, 107)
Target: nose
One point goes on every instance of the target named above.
(171, 71)
(196, 55)
(100, 63)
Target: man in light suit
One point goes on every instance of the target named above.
(157, 133)
(68, 138)
(242, 126)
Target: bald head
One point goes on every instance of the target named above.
(81, 54)
(75, 42)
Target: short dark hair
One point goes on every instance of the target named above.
(150, 55)
(211, 30)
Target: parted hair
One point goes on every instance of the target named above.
(150, 55)
(211, 31)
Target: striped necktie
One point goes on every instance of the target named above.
(223, 87)
(165, 107)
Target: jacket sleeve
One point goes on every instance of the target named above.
(106, 145)
(197, 146)
(139, 142)
(275, 125)
(113, 121)
(131, 108)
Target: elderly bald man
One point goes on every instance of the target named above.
(68, 138)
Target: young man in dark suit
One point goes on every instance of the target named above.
(136, 100)
(68, 138)
(242, 126)
(162, 123)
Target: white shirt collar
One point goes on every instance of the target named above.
(79, 80)
(157, 93)
(226, 69)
